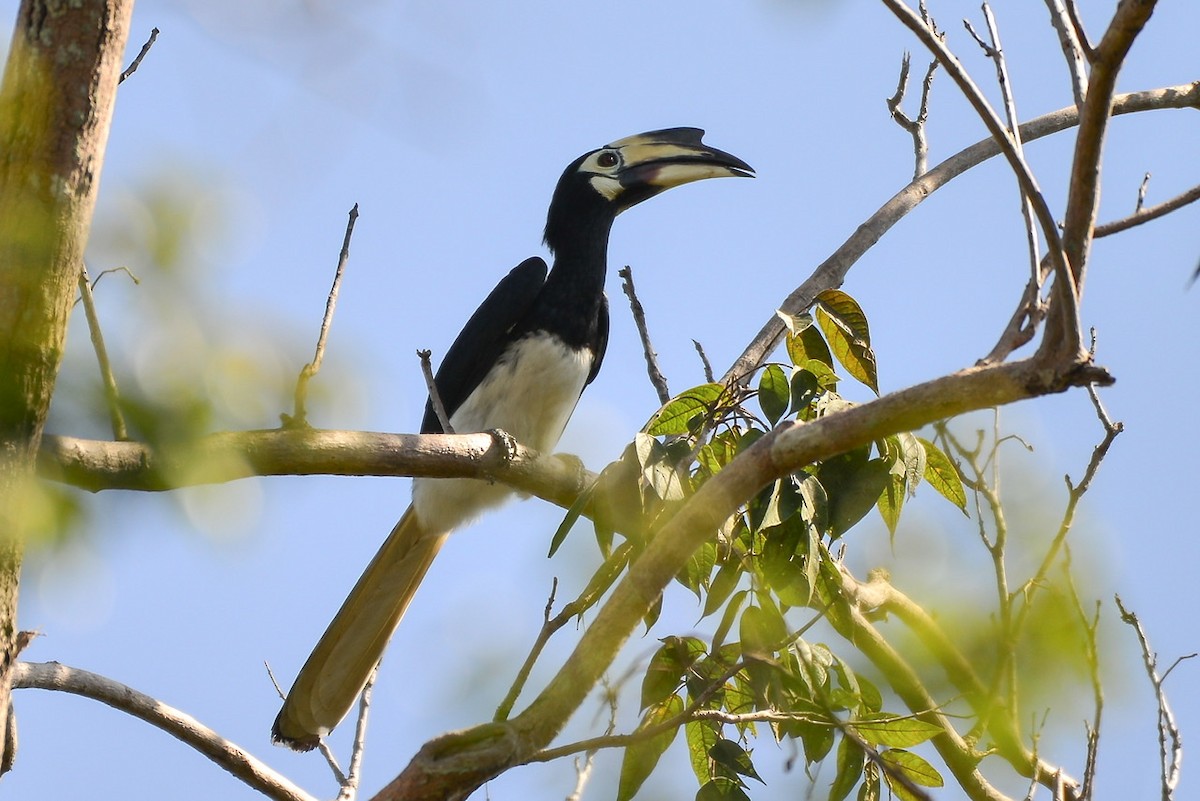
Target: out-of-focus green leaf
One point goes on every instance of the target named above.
(722, 586)
(734, 758)
(642, 755)
(774, 393)
(845, 326)
(667, 667)
(701, 736)
(912, 452)
(568, 522)
(941, 475)
(731, 610)
(850, 760)
(698, 568)
(880, 728)
(673, 418)
(603, 578)
(722, 789)
(854, 484)
(913, 767)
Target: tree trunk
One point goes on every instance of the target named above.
(56, 105)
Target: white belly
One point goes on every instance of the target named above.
(530, 394)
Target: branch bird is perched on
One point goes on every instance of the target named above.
(519, 365)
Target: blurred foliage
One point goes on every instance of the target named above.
(755, 671)
(186, 362)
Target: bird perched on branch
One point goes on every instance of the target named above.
(519, 365)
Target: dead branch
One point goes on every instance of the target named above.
(231, 757)
(657, 379)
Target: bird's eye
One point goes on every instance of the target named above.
(607, 159)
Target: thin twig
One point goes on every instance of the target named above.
(915, 127)
(236, 760)
(995, 52)
(1144, 215)
(349, 787)
(111, 395)
(833, 270)
(1080, 34)
(1091, 654)
(137, 61)
(1068, 40)
(1170, 744)
(299, 419)
(1141, 195)
(657, 379)
(435, 398)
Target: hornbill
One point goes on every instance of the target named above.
(519, 365)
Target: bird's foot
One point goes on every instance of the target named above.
(506, 441)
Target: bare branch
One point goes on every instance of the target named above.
(1144, 215)
(349, 788)
(231, 757)
(137, 60)
(657, 379)
(832, 272)
(299, 418)
(111, 396)
(1067, 298)
(1083, 197)
(1080, 34)
(435, 398)
(1170, 743)
(914, 127)
(1068, 40)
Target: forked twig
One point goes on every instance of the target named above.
(657, 379)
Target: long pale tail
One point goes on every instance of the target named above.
(341, 662)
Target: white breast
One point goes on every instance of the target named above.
(531, 394)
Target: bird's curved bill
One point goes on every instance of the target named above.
(675, 156)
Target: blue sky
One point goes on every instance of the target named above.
(449, 124)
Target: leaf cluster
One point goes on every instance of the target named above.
(771, 557)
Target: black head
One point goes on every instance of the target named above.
(599, 185)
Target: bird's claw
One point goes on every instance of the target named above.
(506, 441)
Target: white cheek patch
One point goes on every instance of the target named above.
(606, 186)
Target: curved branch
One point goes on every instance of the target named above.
(54, 676)
(832, 272)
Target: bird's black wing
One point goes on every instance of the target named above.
(601, 339)
(484, 338)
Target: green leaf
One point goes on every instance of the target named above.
(642, 755)
(854, 484)
(701, 736)
(881, 728)
(774, 393)
(665, 672)
(723, 584)
(804, 390)
(733, 757)
(722, 789)
(573, 515)
(891, 501)
(673, 418)
(913, 768)
(603, 578)
(807, 344)
(845, 326)
(850, 760)
(941, 475)
(698, 568)
(731, 610)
